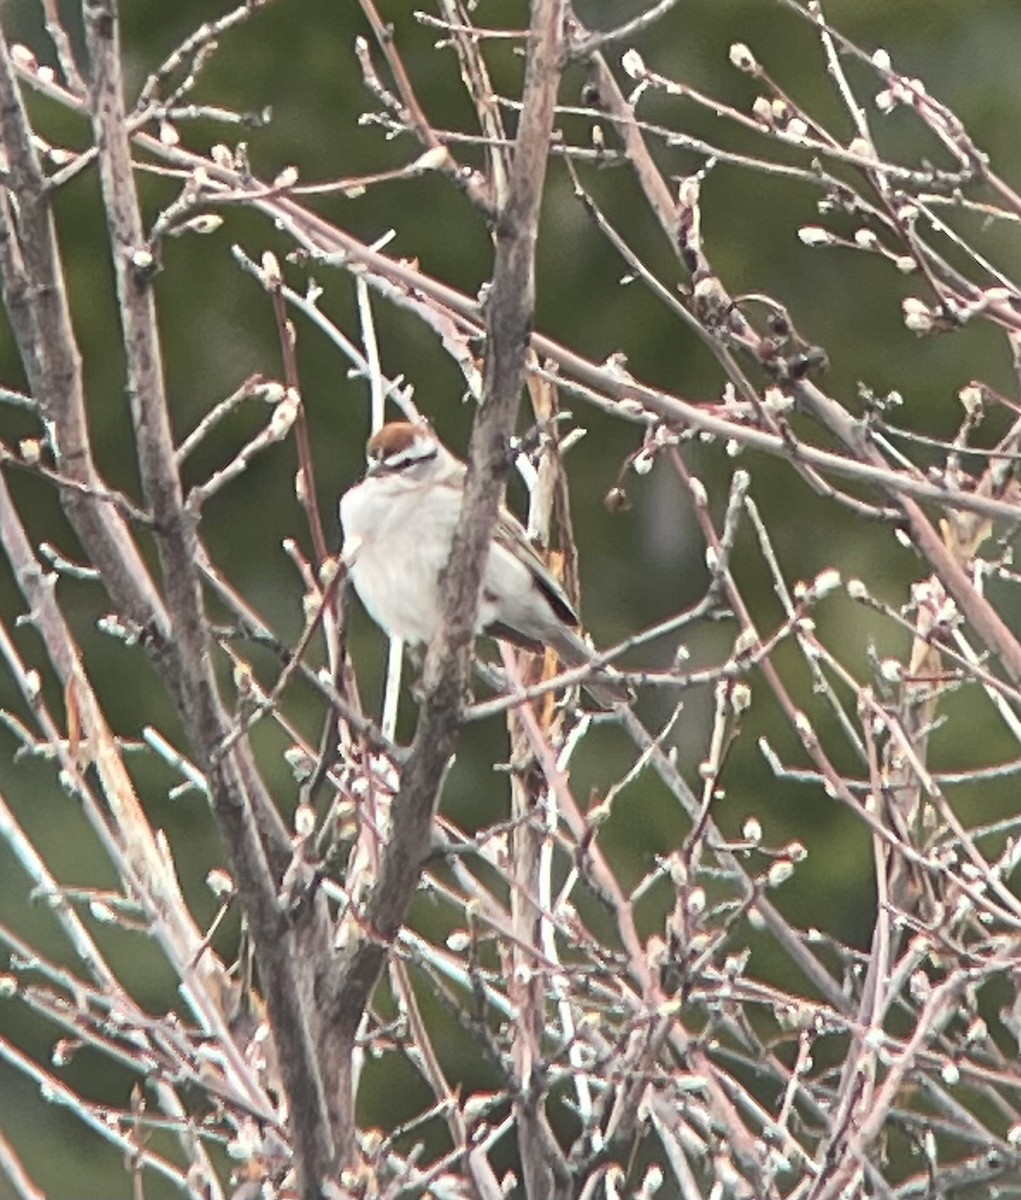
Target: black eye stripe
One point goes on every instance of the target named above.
(391, 464)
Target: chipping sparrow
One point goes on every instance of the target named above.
(398, 528)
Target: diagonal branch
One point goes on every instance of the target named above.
(509, 320)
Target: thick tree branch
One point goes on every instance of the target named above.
(287, 948)
(35, 296)
(509, 318)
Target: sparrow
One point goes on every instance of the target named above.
(398, 525)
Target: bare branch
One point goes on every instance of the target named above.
(509, 320)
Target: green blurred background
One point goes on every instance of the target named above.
(637, 566)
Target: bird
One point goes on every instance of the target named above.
(398, 524)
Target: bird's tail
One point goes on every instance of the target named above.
(605, 687)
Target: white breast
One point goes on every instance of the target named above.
(397, 541)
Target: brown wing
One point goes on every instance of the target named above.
(510, 533)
